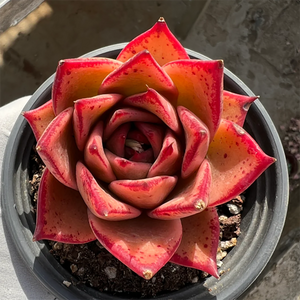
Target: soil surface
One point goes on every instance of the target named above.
(93, 265)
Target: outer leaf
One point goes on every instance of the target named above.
(189, 197)
(100, 202)
(160, 42)
(58, 150)
(158, 105)
(144, 193)
(138, 73)
(40, 118)
(169, 159)
(79, 78)
(200, 87)
(235, 107)
(61, 213)
(236, 162)
(196, 140)
(95, 158)
(87, 111)
(144, 249)
(126, 169)
(200, 239)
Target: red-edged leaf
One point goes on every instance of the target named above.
(154, 134)
(146, 156)
(144, 193)
(99, 200)
(116, 143)
(138, 73)
(188, 198)
(196, 141)
(144, 245)
(61, 213)
(57, 148)
(160, 42)
(235, 107)
(200, 239)
(87, 112)
(236, 161)
(95, 158)
(152, 101)
(40, 118)
(200, 87)
(169, 159)
(125, 115)
(79, 78)
(126, 169)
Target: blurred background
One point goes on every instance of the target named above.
(259, 41)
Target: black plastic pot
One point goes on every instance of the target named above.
(262, 219)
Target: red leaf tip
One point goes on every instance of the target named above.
(161, 19)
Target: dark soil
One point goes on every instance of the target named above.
(94, 266)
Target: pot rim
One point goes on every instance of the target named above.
(266, 237)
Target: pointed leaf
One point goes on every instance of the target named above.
(95, 158)
(144, 193)
(235, 107)
(79, 78)
(61, 213)
(188, 198)
(138, 73)
(145, 156)
(100, 201)
(169, 159)
(152, 101)
(196, 141)
(160, 42)
(200, 239)
(200, 87)
(154, 134)
(40, 118)
(144, 245)
(126, 169)
(125, 115)
(57, 149)
(87, 111)
(236, 162)
(116, 143)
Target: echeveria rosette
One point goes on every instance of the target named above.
(139, 151)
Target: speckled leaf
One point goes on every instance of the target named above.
(61, 213)
(58, 150)
(79, 78)
(200, 239)
(144, 249)
(160, 42)
(188, 198)
(126, 169)
(136, 75)
(235, 107)
(87, 111)
(99, 200)
(152, 101)
(169, 159)
(127, 114)
(236, 161)
(144, 193)
(40, 118)
(196, 141)
(200, 87)
(95, 158)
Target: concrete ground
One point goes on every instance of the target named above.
(259, 41)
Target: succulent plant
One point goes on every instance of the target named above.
(139, 151)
